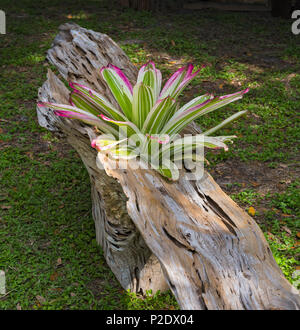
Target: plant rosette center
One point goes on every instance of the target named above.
(148, 121)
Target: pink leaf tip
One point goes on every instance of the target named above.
(93, 143)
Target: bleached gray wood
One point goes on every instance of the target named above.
(213, 255)
(78, 54)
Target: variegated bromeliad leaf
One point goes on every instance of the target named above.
(148, 120)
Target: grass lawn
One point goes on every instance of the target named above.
(48, 248)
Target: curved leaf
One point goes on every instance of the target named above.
(159, 115)
(120, 87)
(186, 115)
(178, 81)
(151, 77)
(90, 99)
(76, 113)
(142, 103)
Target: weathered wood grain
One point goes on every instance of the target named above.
(212, 254)
(78, 54)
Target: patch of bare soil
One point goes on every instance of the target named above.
(234, 176)
(96, 287)
(255, 174)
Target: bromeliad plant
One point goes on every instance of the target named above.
(148, 120)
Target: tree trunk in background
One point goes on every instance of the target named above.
(152, 5)
(188, 234)
(281, 8)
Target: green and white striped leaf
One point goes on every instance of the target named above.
(169, 170)
(88, 99)
(81, 103)
(123, 152)
(128, 130)
(103, 143)
(159, 115)
(120, 88)
(71, 112)
(183, 117)
(142, 103)
(151, 77)
(187, 145)
(225, 122)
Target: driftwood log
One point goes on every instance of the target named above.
(188, 236)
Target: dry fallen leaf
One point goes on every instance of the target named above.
(29, 155)
(5, 207)
(287, 230)
(53, 276)
(173, 42)
(283, 165)
(40, 299)
(58, 262)
(251, 211)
